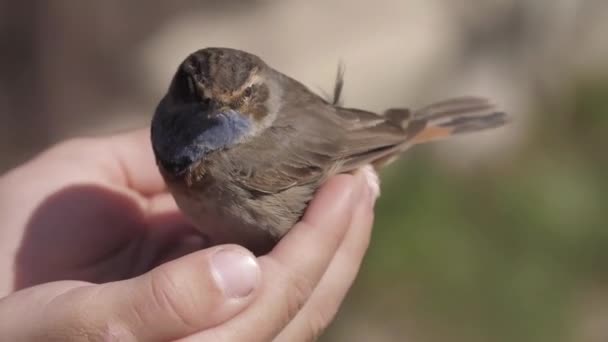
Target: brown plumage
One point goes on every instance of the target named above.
(250, 185)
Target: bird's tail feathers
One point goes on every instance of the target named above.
(451, 117)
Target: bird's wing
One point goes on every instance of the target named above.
(312, 140)
(308, 143)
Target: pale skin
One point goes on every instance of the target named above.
(93, 248)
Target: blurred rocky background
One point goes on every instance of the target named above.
(501, 236)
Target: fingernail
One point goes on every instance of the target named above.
(235, 272)
(372, 181)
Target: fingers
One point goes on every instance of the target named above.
(326, 299)
(218, 293)
(181, 297)
(125, 160)
(133, 153)
(296, 265)
(187, 295)
(322, 227)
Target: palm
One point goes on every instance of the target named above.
(103, 238)
(93, 222)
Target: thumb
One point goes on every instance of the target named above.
(174, 300)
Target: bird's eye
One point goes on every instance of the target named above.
(248, 91)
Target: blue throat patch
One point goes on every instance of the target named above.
(224, 130)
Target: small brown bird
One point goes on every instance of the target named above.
(243, 147)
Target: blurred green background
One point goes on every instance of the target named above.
(514, 251)
(500, 236)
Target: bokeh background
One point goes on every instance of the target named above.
(501, 236)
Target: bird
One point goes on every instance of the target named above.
(243, 147)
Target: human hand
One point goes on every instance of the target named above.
(90, 226)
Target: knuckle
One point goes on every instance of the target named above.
(318, 321)
(166, 297)
(296, 291)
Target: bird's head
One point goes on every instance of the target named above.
(218, 98)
